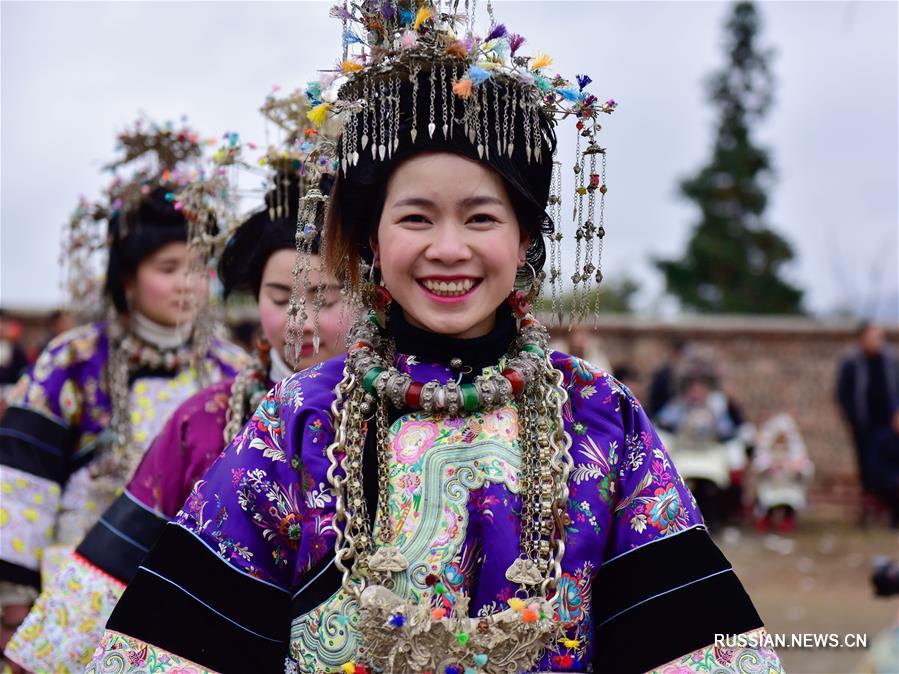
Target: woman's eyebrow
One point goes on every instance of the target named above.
(278, 286)
(482, 200)
(413, 201)
(468, 202)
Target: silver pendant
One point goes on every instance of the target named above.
(524, 572)
(388, 558)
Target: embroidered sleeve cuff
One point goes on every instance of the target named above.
(737, 659)
(66, 622)
(119, 653)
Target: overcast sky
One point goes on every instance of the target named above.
(74, 74)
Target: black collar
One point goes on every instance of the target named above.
(430, 347)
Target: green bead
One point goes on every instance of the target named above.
(462, 638)
(368, 380)
(533, 348)
(470, 398)
(439, 589)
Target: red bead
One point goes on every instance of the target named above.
(518, 300)
(382, 297)
(564, 661)
(413, 394)
(360, 345)
(580, 125)
(515, 379)
(431, 580)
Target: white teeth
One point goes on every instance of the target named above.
(449, 288)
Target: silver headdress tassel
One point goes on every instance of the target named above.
(302, 153)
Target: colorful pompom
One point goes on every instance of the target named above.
(541, 61)
(462, 88)
(496, 32)
(318, 114)
(477, 75)
(515, 603)
(423, 15)
(515, 42)
(351, 66)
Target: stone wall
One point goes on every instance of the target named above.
(769, 365)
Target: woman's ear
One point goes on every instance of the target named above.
(373, 243)
(523, 245)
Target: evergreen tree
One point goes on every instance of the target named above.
(733, 260)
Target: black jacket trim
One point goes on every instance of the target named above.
(34, 444)
(685, 582)
(121, 538)
(19, 575)
(215, 615)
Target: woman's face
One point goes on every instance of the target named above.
(448, 243)
(274, 296)
(163, 290)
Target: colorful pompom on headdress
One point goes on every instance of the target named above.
(416, 75)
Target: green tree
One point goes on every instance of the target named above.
(733, 261)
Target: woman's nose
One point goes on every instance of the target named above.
(448, 245)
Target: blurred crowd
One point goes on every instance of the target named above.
(759, 470)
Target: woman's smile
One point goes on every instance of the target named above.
(449, 289)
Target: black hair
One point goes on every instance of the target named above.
(261, 235)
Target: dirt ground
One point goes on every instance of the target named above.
(817, 580)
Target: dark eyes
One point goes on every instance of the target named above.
(480, 218)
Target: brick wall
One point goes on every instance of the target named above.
(768, 365)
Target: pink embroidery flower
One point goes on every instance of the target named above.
(413, 439)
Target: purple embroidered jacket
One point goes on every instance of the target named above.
(248, 560)
(54, 488)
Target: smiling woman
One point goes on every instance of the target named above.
(451, 497)
(448, 243)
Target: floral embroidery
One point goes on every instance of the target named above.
(67, 619)
(413, 439)
(117, 653)
(274, 508)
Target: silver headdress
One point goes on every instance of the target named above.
(416, 73)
